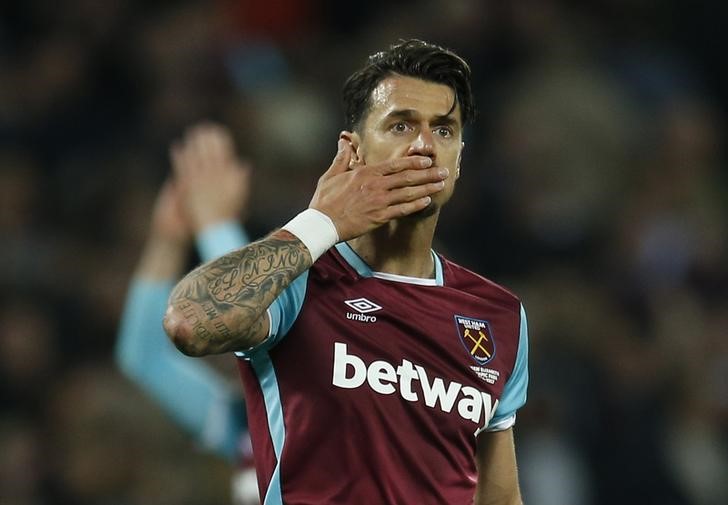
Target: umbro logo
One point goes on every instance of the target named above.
(363, 307)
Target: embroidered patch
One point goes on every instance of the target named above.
(476, 337)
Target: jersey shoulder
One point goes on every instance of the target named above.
(463, 279)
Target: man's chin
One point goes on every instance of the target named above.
(429, 211)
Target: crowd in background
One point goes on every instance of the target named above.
(594, 185)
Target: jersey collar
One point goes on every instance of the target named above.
(358, 264)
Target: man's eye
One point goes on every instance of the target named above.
(444, 132)
(399, 127)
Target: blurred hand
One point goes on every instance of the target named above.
(214, 183)
(166, 249)
(169, 223)
(361, 199)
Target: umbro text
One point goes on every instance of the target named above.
(364, 318)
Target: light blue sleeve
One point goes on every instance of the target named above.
(282, 313)
(220, 239)
(515, 391)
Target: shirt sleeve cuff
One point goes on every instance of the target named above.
(502, 424)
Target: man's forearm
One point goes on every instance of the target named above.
(220, 306)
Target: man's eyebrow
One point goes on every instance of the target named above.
(444, 119)
(402, 114)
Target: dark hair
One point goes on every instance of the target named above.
(413, 58)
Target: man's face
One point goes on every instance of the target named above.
(408, 117)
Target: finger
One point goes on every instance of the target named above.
(225, 141)
(168, 196)
(220, 147)
(172, 188)
(412, 193)
(177, 157)
(212, 128)
(400, 164)
(416, 177)
(215, 157)
(194, 151)
(202, 153)
(341, 160)
(246, 171)
(173, 192)
(407, 208)
(165, 193)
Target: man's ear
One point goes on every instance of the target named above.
(460, 157)
(353, 139)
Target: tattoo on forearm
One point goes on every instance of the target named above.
(224, 300)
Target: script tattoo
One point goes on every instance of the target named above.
(223, 301)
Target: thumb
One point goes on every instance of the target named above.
(342, 158)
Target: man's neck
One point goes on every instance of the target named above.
(401, 247)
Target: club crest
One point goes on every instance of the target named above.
(477, 338)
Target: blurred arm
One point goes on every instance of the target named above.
(497, 473)
(190, 391)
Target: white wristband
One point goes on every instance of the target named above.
(315, 229)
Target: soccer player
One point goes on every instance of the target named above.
(203, 200)
(375, 370)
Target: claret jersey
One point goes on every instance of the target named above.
(372, 387)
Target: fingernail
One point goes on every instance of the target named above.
(425, 162)
(443, 172)
(340, 145)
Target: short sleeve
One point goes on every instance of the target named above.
(515, 391)
(282, 313)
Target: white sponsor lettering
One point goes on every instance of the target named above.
(406, 375)
(379, 372)
(487, 374)
(436, 391)
(342, 362)
(364, 318)
(350, 372)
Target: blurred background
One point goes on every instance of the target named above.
(594, 185)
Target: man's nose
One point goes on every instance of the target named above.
(422, 145)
